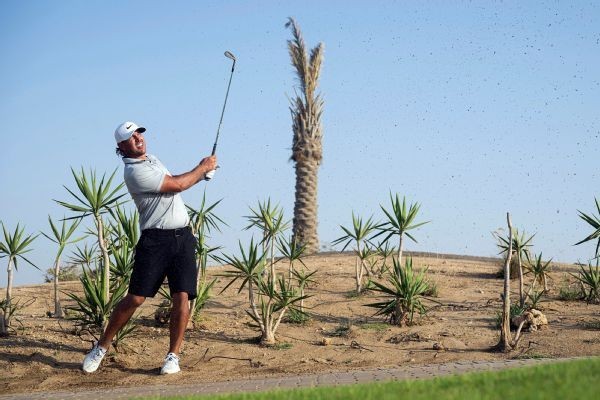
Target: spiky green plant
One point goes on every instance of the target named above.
(594, 222)
(404, 295)
(202, 221)
(306, 109)
(85, 256)
(292, 252)
(358, 235)
(400, 220)
(535, 298)
(92, 309)
(269, 300)
(125, 227)
(62, 239)
(269, 219)
(521, 244)
(590, 282)
(304, 280)
(14, 246)
(95, 197)
(540, 271)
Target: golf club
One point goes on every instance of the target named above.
(229, 55)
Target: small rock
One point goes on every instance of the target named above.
(480, 291)
(320, 360)
(325, 341)
(533, 320)
(439, 346)
(412, 360)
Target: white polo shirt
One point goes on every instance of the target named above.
(157, 210)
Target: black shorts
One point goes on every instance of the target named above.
(164, 253)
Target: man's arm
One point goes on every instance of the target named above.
(179, 183)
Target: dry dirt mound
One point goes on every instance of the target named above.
(45, 354)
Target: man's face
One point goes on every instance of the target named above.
(135, 146)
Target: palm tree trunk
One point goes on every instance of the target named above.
(305, 206)
(57, 308)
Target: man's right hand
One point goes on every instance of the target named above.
(209, 163)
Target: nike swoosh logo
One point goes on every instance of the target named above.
(127, 127)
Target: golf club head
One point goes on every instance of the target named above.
(230, 55)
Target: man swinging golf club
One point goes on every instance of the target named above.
(166, 246)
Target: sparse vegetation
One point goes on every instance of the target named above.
(404, 295)
(13, 246)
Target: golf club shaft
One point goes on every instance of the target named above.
(228, 54)
(214, 150)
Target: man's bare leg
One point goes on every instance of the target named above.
(119, 317)
(180, 314)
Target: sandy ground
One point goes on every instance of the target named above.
(45, 354)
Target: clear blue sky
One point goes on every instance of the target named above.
(473, 109)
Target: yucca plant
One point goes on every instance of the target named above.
(202, 221)
(292, 252)
(304, 280)
(594, 222)
(521, 244)
(405, 294)
(269, 219)
(358, 235)
(269, 300)
(85, 256)
(95, 198)
(92, 310)
(62, 239)
(590, 282)
(125, 227)
(535, 298)
(121, 266)
(13, 246)
(400, 220)
(540, 271)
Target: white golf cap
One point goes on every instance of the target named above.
(126, 129)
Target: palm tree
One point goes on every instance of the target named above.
(62, 239)
(307, 152)
(94, 199)
(13, 246)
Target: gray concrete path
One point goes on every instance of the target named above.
(285, 382)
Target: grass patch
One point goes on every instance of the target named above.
(282, 346)
(563, 380)
(569, 293)
(294, 316)
(342, 330)
(591, 325)
(375, 326)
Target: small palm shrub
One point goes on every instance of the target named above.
(358, 235)
(91, 310)
(589, 278)
(540, 271)
(13, 246)
(400, 220)
(404, 294)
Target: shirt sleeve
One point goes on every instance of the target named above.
(145, 179)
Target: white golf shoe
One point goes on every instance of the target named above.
(171, 364)
(92, 360)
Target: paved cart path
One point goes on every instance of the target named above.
(285, 382)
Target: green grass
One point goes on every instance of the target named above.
(564, 380)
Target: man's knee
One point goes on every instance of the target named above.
(180, 301)
(132, 300)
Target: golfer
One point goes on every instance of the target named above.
(166, 247)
